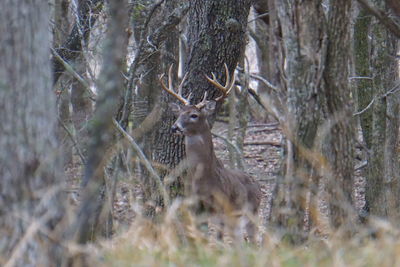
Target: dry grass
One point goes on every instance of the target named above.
(175, 240)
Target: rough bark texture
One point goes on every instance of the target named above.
(383, 166)
(339, 143)
(30, 184)
(303, 44)
(216, 35)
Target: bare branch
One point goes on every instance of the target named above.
(381, 16)
(70, 70)
(145, 161)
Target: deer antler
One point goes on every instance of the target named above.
(228, 83)
(171, 90)
(203, 101)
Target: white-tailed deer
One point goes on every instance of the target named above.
(219, 189)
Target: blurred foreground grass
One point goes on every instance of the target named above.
(176, 241)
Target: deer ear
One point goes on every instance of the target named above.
(209, 107)
(176, 108)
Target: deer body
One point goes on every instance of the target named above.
(209, 179)
(216, 187)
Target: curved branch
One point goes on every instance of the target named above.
(390, 24)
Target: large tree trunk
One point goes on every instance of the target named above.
(216, 35)
(339, 144)
(30, 185)
(303, 43)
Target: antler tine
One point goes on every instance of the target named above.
(226, 75)
(203, 101)
(169, 78)
(181, 85)
(170, 89)
(229, 83)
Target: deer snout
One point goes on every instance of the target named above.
(176, 129)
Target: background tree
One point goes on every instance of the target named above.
(378, 104)
(110, 84)
(303, 36)
(31, 203)
(339, 142)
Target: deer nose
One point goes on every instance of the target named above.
(175, 128)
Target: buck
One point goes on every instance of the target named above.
(217, 188)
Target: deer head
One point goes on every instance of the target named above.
(192, 118)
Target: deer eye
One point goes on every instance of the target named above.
(194, 116)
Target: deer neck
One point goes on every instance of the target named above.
(200, 150)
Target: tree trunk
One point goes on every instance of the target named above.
(216, 35)
(31, 202)
(110, 86)
(363, 72)
(339, 143)
(383, 168)
(303, 45)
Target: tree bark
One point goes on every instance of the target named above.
(382, 175)
(216, 35)
(339, 142)
(303, 45)
(31, 203)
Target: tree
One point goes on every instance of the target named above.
(216, 35)
(110, 86)
(338, 110)
(31, 202)
(380, 124)
(303, 39)
(316, 116)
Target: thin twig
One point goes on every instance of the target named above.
(70, 70)
(263, 15)
(229, 143)
(145, 161)
(263, 143)
(393, 90)
(78, 150)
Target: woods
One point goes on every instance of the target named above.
(99, 166)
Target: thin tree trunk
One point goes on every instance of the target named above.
(110, 85)
(383, 167)
(61, 26)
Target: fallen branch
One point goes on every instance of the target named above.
(263, 143)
